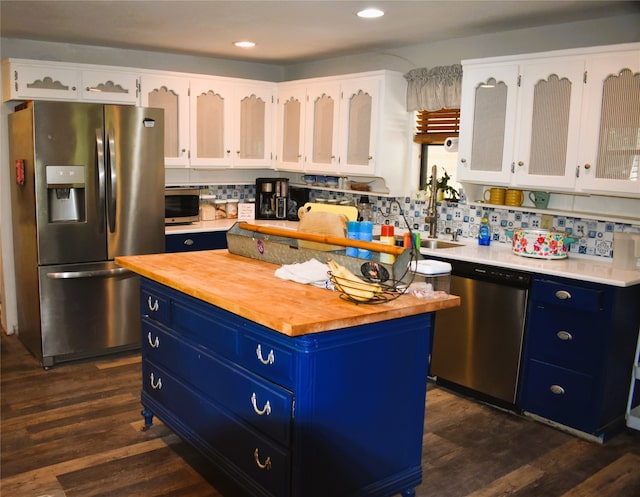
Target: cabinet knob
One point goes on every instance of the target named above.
(520, 163)
(556, 389)
(563, 295)
(188, 242)
(587, 166)
(564, 335)
(463, 161)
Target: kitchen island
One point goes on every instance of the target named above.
(286, 387)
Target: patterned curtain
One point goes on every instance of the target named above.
(434, 89)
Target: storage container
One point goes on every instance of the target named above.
(436, 274)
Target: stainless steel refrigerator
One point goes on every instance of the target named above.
(87, 185)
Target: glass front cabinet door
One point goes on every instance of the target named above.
(610, 134)
(487, 124)
(172, 95)
(548, 123)
(291, 127)
(358, 124)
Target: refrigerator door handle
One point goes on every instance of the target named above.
(101, 174)
(67, 275)
(111, 189)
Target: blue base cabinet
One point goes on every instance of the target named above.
(205, 240)
(579, 349)
(336, 413)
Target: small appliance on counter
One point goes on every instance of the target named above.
(182, 205)
(272, 198)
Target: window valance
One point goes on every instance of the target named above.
(434, 89)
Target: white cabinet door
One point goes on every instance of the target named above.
(252, 125)
(610, 133)
(547, 124)
(45, 81)
(211, 122)
(290, 128)
(109, 87)
(359, 121)
(322, 127)
(487, 123)
(171, 94)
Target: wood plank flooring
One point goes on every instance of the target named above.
(75, 431)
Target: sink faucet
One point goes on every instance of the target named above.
(432, 209)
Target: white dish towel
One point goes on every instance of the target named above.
(311, 272)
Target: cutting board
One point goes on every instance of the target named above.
(321, 222)
(349, 211)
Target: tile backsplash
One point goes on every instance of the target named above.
(595, 237)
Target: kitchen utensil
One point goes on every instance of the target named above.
(540, 244)
(514, 197)
(540, 199)
(496, 195)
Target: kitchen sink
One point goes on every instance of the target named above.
(434, 243)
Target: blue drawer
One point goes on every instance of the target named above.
(268, 407)
(573, 340)
(568, 296)
(267, 358)
(561, 395)
(155, 305)
(224, 438)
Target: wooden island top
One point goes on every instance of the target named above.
(249, 288)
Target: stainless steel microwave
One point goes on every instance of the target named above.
(181, 205)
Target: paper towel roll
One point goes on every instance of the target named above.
(451, 144)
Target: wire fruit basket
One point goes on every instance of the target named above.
(364, 292)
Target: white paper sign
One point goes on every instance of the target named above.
(246, 211)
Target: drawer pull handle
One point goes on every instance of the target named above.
(188, 242)
(157, 385)
(267, 463)
(260, 412)
(563, 295)
(557, 389)
(270, 357)
(155, 343)
(153, 306)
(564, 335)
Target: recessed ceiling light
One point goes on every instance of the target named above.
(370, 13)
(244, 44)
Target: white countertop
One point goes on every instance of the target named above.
(579, 267)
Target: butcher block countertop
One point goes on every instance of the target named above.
(248, 288)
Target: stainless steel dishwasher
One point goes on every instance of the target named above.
(478, 345)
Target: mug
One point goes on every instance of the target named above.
(514, 197)
(540, 199)
(496, 195)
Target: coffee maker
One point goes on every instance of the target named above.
(272, 198)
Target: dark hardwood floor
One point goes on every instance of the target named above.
(75, 431)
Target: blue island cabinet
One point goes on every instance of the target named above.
(328, 414)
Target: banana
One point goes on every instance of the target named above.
(352, 285)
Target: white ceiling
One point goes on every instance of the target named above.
(286, 31)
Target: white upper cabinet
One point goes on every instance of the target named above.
(231, 123)
(548, 124)
(290, 126)
(566, 121)
(42, 80)
(487, 118)
(252, 125)
(609, 152)
(109, 87)
(322, 128)
(352, 125)
(24, 81)
(359, 126)
(170, 93)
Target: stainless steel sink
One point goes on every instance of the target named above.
(431, 243)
